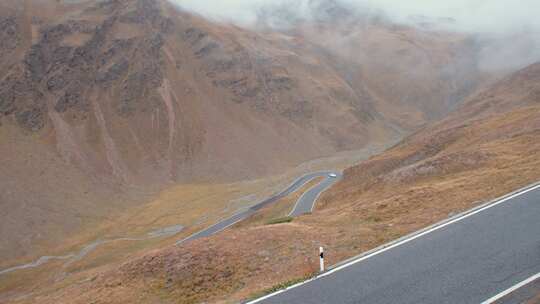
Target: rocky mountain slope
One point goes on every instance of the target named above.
(103, 103)
(488, 147)
(491, 130)
(141, 84)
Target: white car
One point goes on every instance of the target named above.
(332, 175)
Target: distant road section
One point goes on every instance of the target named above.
(304, 205)
(466, 260)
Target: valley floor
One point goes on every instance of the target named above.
(171, 216)
(386, 197)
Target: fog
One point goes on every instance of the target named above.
(495, 16)
(508, 30)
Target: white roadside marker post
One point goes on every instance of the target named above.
(321, 258)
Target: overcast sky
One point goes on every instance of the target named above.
(470, 15)
(509, 29)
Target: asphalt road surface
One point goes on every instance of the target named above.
(314, 192)
(527, 292)
(467, 260)
(306, 202)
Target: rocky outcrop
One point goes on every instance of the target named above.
(68, 73)
(120, 54)
(249, 76)
(9, 34)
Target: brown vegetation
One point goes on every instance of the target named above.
(104, 105)
(447, 168)
(280, 209)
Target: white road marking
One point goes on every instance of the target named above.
(318, 195)
(385, 248)
(242, 210)
(512, 289)
(217, 231)
(231, 224)
(321, 192)
(302, 196)
(221, 221)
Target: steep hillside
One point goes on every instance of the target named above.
(139, 91)
(104, 103)
(486, 148)
(410, 74)
(489, 131)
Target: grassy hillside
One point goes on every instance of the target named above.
(103, 104)
(488, 147)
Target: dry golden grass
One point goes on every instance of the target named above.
(209, 140)
(77, 180)
(440, 171)
(279, 209)
(429, 177)
(194, 206)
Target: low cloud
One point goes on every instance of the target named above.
(508, 31)
(492, 16)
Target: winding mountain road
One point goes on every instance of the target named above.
(470, 258)
(304, 204)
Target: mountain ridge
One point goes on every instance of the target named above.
(449, 167)
(105, 104)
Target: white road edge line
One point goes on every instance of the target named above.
(327, 178)
(300, 187)
(512, 289)
(244, 209)
(217, 231)
(305, 192)
(321, 192)
(209, 227)
(231, 224)
(410, 238)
